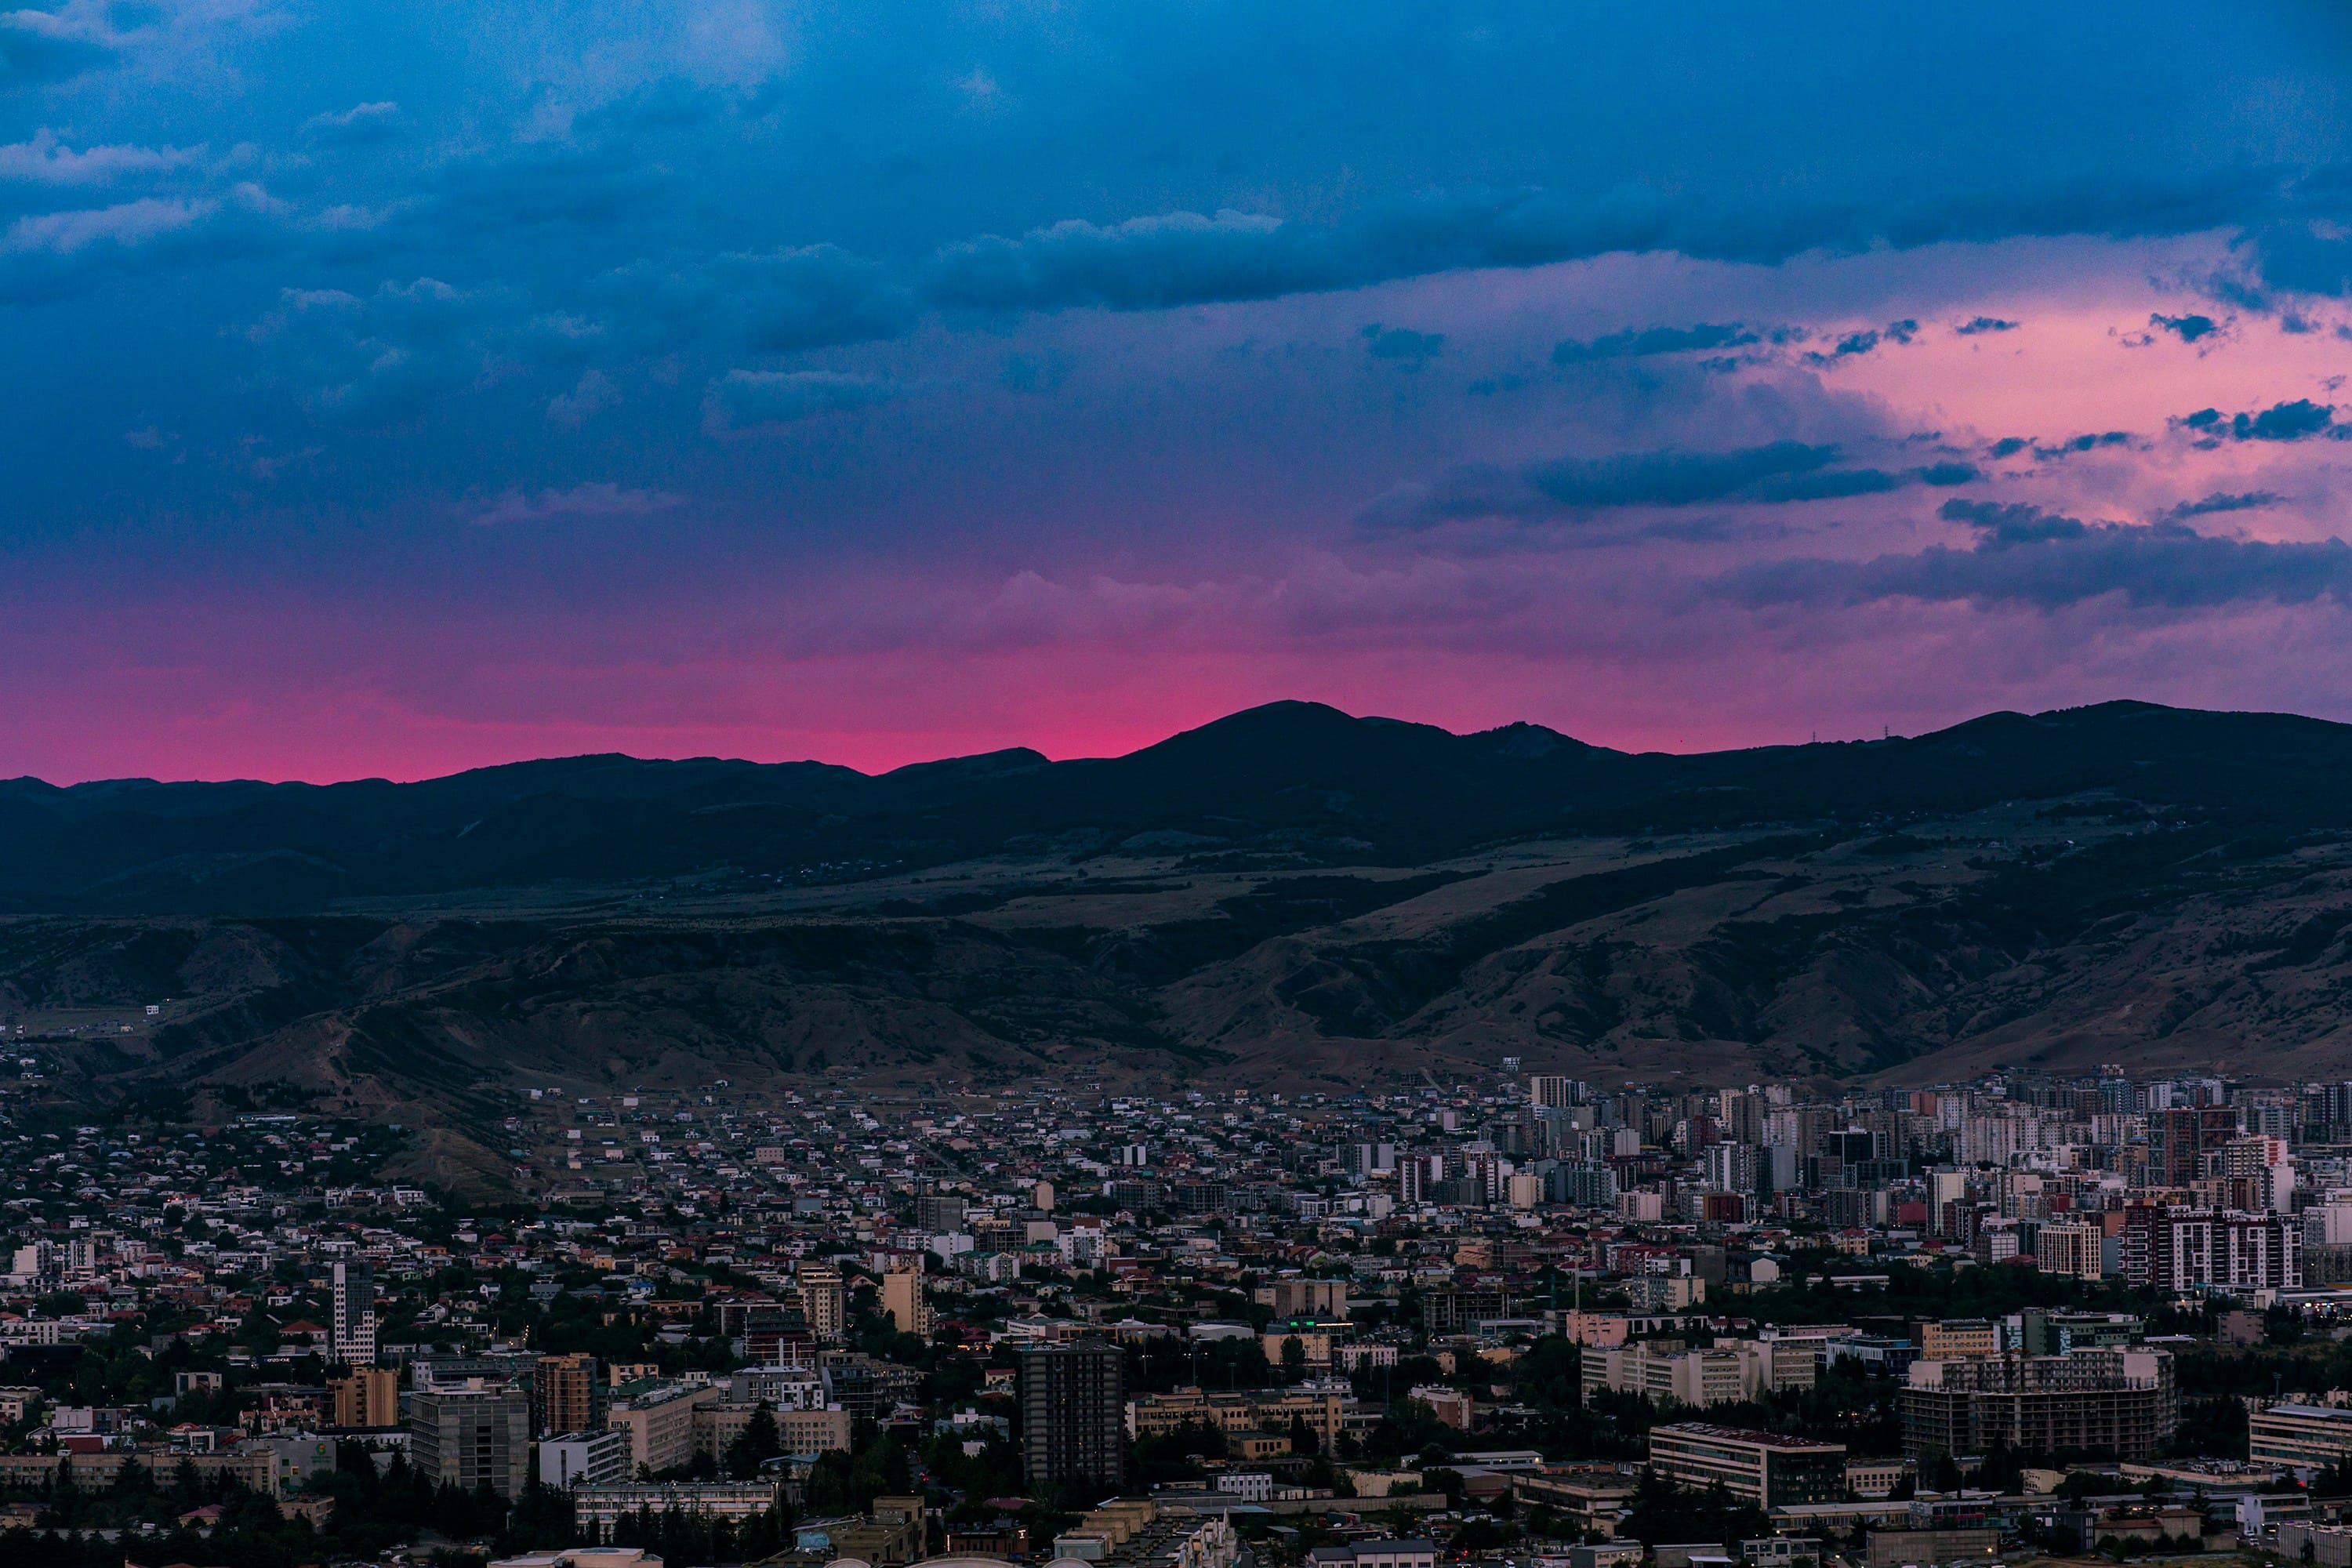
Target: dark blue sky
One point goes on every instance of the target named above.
(400, 387)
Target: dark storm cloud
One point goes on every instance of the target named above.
(2072, 445)
(1173, 259)
(1777, 473)
(1856, 343)
(1185, 258)
(1402, 344)
(2299, 255)
(1178, 259)
(2219, 502)
(1648, 341)
(1687, 479)
(2295, 421)
(1999, 523)
(817, 296)
(813, 298)
(743, 399)
(2025, 557)
(590, 187)
(604, 187)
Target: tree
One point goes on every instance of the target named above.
(2001, 1469)
(543, 1520)
(1171, 1455)
(1663, 1511)
(758, 1442)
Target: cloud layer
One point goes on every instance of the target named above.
(879, 382)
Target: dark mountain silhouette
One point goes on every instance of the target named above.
(1288, 895)
(1290, 783)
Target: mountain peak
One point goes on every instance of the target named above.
(1290, 783)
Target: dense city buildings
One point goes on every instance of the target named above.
(1424, 1300)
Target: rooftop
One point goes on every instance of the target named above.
(1779, 1440)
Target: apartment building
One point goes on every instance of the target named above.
(804, 1431)
(2114, 1402)
(2310, 1436)
(584, 1458)
(904, 1302)
(567, 1393)
(1322, 1404)
(368, 1396)
(471, 1438)
(2071, 1247)
(1959, 1339)
(659, 1423)
(2178, 1248)
(1070, 1403)
(824, 1299)
(1727, 1374)
(1766, 1469)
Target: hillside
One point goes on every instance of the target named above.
(1287, 897)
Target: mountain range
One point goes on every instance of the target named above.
(1289, 896)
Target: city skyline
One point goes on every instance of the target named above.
(882, 1324)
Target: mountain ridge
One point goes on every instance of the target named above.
(1289, 897)
(1297, 778)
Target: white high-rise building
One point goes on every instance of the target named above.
(2329, 1223)
(2260, 1173)
(1415, 1175)
(1554, 1092)
(2069, 1248)
(1945, 1189)
(1731, 1167)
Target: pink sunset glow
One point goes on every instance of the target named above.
(1646, 403)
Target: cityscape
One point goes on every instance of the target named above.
(1246, 784)
(1526, 1318)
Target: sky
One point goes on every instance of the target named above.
(391, 389)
